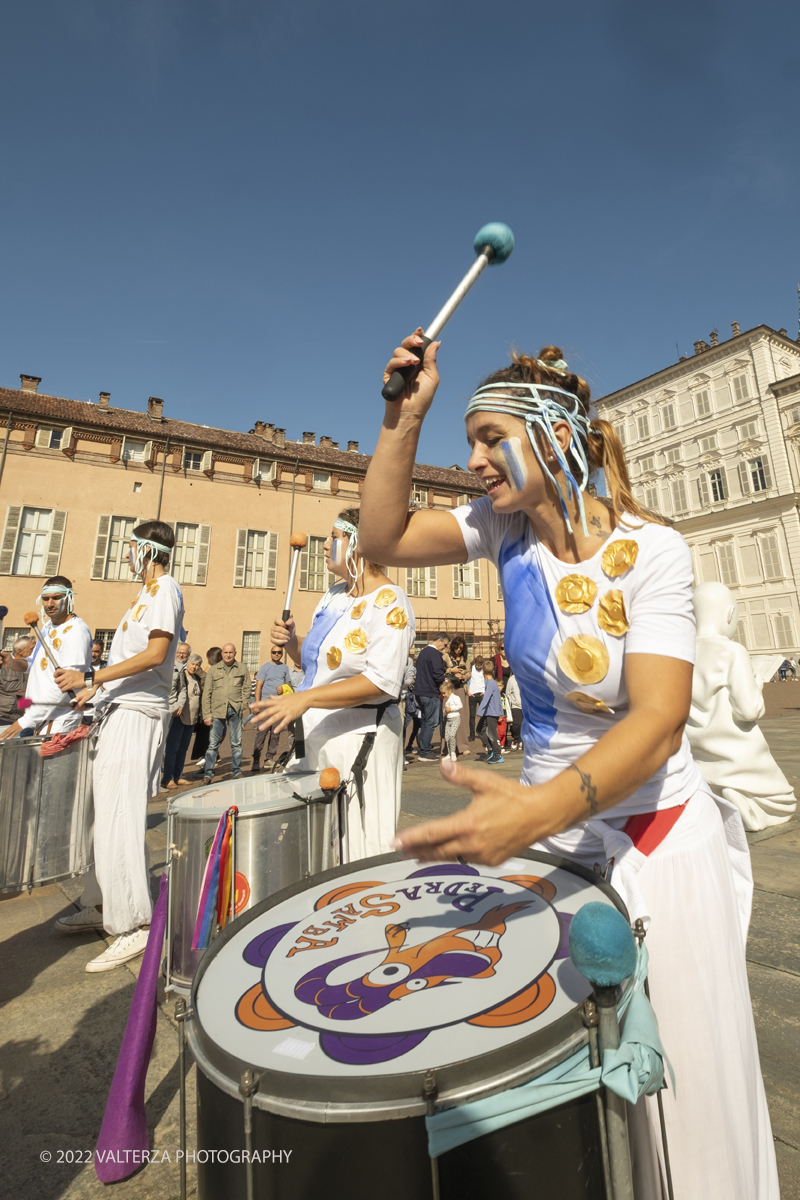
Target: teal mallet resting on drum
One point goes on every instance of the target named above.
(493, 244)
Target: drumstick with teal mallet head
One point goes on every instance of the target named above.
(493, 244)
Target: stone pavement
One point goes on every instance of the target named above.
(61, 1028)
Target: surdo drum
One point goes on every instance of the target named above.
(330, 1019)
(287, 828)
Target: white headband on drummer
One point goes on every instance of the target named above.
(56, 589)
(142, 545)
(349, 561)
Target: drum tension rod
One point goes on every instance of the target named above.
(429, 1091)
(181, 1013)
(248, 1085)
(639, 932)
(591, 1020)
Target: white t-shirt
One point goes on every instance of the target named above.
(368, 635)
(157, 605)
(477, 681)
(565, 716)
(71, 643)
(453, 706)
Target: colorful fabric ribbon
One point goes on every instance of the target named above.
(214, 907)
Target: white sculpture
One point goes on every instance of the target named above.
(730, 750)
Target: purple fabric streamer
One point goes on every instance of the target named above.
(124, 1127)
(202, 905)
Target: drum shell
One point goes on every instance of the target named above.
(46, 813)
(279, 841)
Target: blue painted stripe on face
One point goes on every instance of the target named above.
(515, 468)
(530, 627)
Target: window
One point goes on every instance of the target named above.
(251, 648)
(703, 492)
(740, 635)
(680, 501)
(643, 425)
(190, 556)
(717, 481)
(668, 416)
(12, 632)
(120, 532)
(771, 556)
(421, 581)
(651, 498)
(647, 464)
(702, 403)
(467, 581)
(794, 416)
(707, 444)
(727, 564)
(49, 439)
(419, 496)
(463, 499)
(750, 430)
(133, 451)
(192, 460)
(741, 390)
(673, 454)
(264, 470)
(784, 630)
(32, 540)
(314, 577)
(34, 534)
(760, 474)
(621, 432)
(256, 562)
(321, 481)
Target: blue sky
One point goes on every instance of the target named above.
(240, 206)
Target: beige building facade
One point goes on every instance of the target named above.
(713, 442)
(76, 477)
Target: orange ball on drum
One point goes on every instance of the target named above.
(329, 779)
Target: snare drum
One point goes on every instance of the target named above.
(287, 829)
(46, 813)
(380, 992)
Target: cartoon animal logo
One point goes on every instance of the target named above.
(468, 954)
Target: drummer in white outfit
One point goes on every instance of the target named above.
(70, 641)
(600, 633)
(354, 659)
(127, 761)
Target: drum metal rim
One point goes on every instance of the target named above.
(256, 809)
(400, 1093)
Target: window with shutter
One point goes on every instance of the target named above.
(717, 481)
(272, 561)
(744, 478)
(314, 577)
(207, 462)
(53, 557)
(476, 580)
(33, 538)
(651, 498)
(647, 464)
(702, 402)
(668, 416)
(8, 545)
(203, 548)
(133, 450)
(240, 562)
(421, 581)
(702, 490)
(302, 573)
(680, 502)
(727, 564)
(643, 425)
(120, 532)
(100, 547)
(741, 390)
(740, 635)
(784, 630)
(184, 554)
(771, 556)
(760, 476)
(499, 589)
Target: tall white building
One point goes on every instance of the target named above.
(713, 442)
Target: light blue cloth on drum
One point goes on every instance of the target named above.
(634, 1069)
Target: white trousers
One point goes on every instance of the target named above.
(126, 762)
(371, 829)
(718, 1127)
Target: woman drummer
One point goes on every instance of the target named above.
(599, 631)
(354, 658)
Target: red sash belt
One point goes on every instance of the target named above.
(648, 830)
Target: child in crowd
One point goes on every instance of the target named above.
(489, 710)
(452, 711)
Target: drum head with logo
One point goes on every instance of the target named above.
(388, 968)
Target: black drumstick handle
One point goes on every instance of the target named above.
(287, 612)
(399, 380)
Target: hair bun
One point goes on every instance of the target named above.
(550, 354)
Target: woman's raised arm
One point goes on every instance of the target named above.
(387, 532)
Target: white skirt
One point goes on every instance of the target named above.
(371, 829)
(694, 892)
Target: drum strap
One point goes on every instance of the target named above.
(360, 764)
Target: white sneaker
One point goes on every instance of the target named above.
(201, 762)
(125, 947)
(80, 922)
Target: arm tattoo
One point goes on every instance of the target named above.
(588, 787)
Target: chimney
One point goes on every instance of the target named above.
(155, 408)
(353, 447)
(735, 328)
(309, 439)
(104, 399)
(279, 437)
(699, 347)
(264, 429)
(30, 383)
(681, 358)
(714, 337)
(782, 332)
(326, 441)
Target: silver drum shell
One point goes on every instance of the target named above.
(46, 813)
(287, 829)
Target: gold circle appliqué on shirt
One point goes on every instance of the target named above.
(575, 593)
(385, 597)
(124, 627)
(397, 618)
(357, 609)
(334, 658)
(611, 615)
(587, 704)
(43, 664)
(356, 641)
(619, 556)
(584, 659)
